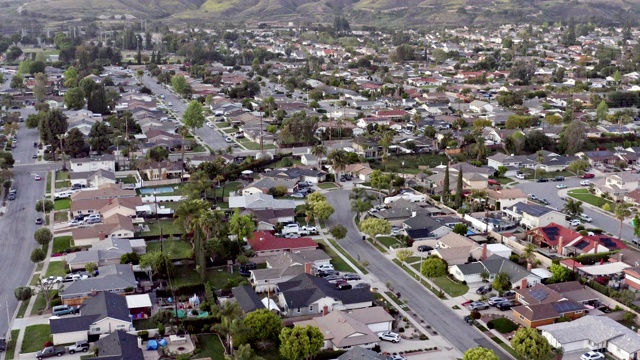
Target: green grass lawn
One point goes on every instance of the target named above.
(178, 249)
(61, 243)
(37, 335)
(229, 187)
(504, 325)
(449, 286)
(22, 309)
(388, 241)
(584, 196)
(328, 186)
(63, 184)
(210, 346)
(337, 262)
(229, 130)
(56, 268)
(11, 345)
(250, 145)
(168, 228)
(62, 175)
(62, 204)
(48, 185)
(61, 216)
(34, 279)
(219, 277)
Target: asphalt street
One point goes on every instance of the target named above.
(549, 191)
(423, 302)
(18, 224)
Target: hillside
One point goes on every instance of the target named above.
(388, 13)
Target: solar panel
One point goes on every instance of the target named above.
(608, 242)
(582, 244)
(566, 306)
(551, 232)
(539, 294)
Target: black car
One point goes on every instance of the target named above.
(423, 248)
(504, 306)
(245, 270)
(325, 273)
(349, 277)
(344, 286)
(545, 201)
(542, 180)
(558, 178)
(484, 290)
(3, 344)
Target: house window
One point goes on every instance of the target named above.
(120, 326)
(310, 308)
(95, 329)
(521, 317)
(89, 211)
(579, 312)
(298, 310)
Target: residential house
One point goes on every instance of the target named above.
(165, 139)
(366, 147)
(285, 266)
(617, 185)
(102, 313)
(456, 249)
(118, 345)
(360, 353)
(509, 161)
(421, 227)
(505, 198)
(531, 215)
(310, 160)
(598, 157)
(632, 277)
(567, 242)
(552, 236)
(106, 207)
(93, 179)
(345, 330)
(107, 252)
(104, 162)
(493, 265)
(162, 170)
(247, 298)
(259, 201)
(116, 226)
(361, 171)
(109, 191)
(393, 214)
(265, 243)
(266, 183)
(541, 305)
(311, 295)
(117, 279)
(593, 333)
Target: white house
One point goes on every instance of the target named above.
(533, 215)
(471, 273)
(104, 162)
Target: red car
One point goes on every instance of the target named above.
(38, 178)
(587, 176)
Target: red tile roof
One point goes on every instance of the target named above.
(266, 241)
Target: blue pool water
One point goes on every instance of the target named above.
(160, 190)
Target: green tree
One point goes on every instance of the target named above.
(91, 267)
(529, 254)
(434, 266)
(621, 212)
(573, 208)
(193, 116)
(530, 345)
(74, 143)
(300, 342)
(23, 293)
(37, 255)
(338, 231)
(97, 101)
(244, 352)
(264, 325)
(602, 111)
(480, 353)
(99, 137)
(47, 205)
(158, 262)
(37, 67)
(17, 82)
(636, 226)
(501, 282)
(460, 229)
(578, 166)
(459, 189)
(52, 124)
(74, 99)
(373, 227)
(40, 86)
(339, 160)
(560, 273)
(70, 73)
(322, 210)
(43, 236)
(158, 154)
(445, 185)
(241, 226)
(403, 254)
(33, 121)
(179, 83)
(130, 258)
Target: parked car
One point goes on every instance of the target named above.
(587, 176)
(75, 222)
(423, 248)
(309, 229)
(478, 305)
(75, 277)
(542, 180)
(508, 293)
(361, 285)
(585, 182)
(558, 178)
(561, 186)
(50, 351)
(78, 346)
(297, 195)
(39, 221)
(493, 301)
(34, 156)
(351, 277)
(38, 178)
(574, 222)
(396, 357)
(245, 270)
(484, 290)
(228, 139)
(533, 197)
(52, 280)
(520, 176)
(586, 218)
(545, 201)
(327, 273)
(3, 344)
(64, 310)
(389, 336)
(343, 286)
(324, 267)
(332, 279)
(504, 306)
(592, 355)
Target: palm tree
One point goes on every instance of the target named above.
(338, 160)
(184, 131)
(573, 208)
(319, 151)
(188, 211)
(529, 253)
(622, 211)
(385, 142)
(539, 159)
(480, 149)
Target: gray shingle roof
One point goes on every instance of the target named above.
(119, 346)
(247, 298)
(304, 289)
(531, 209)
(421, 221)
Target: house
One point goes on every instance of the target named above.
(632, 277)
(531, 215)
(309, 160)
(260, 201)
(509, 161)
(106, 252)
(247, 298)
(504, 198)
(617, 185)
(118, 345)
(103, 313)
(93, 178)
(472, 272)
(344, 330)
(265, 243)
(593, 333)
(106, 207)
(108, 191)
(311, 295)
(565, 241)
(162, 170)
(116, 279)
(285, 266)
(455, 249)
(552, 236)
(360, 353)
(140, 305)
(421, 226)
(541, 305)
(265, 184)
(104, 162)
(598, 157)
(116, 226)
(361, 171)
(365, 147)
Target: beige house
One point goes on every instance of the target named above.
(109, 191)
(362, 171)
(106, 207)
(505, 198)
(455, 249)
(617, 185)
(117, 226)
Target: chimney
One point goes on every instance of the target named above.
(529, 266)
(560, 245)
(523, 283)
(102, 236)
(484, 252)
(307, 268)
(131, 266)
(620, 255)
(325, 310)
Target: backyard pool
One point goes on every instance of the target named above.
(159, 190)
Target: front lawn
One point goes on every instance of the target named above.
(60, 244)
(388, 241)
(62, 204)
(177, 249)
(219, 277)
(338, 263)
(56, 268)
(169, 227)
(450, 287)
(62, 175)
(63, 184)
(328, 186)
(61, 216)
(584, 196)
(11, 345)
(38, 335)
(229, 187)
(210, 346)
(503, 325)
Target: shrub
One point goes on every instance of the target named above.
(144, 335)
(23, 293)
(401, 330)
(424, 337)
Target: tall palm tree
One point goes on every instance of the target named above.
(319, 151)
(480, 149)
(385, 142)
(622, 211)
(338, 159)
(187, 213)
(573, 208)
(529, 253)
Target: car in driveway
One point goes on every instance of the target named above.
(493, 301)
(423, 248)
(389, 336)
(504, 306)
(561, 186)
(592, 355)
(484, 289)
(52, 280)
(228, 139)
(361, 285)
(75, 222)
(574, 222)
(542, 180)
(351, 277)
(297, 195)
(478, 305)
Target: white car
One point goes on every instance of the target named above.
(520, 176)
(389, 336)
(309, 229)
(561, 186)
(228, 139)
(396, 357)
(592, 355)
(210, 125)
(324, 267)
(52, 280)
(574, 222)
(75, 223)
(585, 182)
(493, 301)
(585, 218)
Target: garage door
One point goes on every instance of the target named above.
(573, 346)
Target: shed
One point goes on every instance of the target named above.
(139, 305)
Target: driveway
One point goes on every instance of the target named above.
(424, 303)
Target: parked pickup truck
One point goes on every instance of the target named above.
(50, 351)
(79, 346)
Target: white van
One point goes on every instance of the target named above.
(63, 194)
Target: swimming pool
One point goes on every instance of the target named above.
(158, 190)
